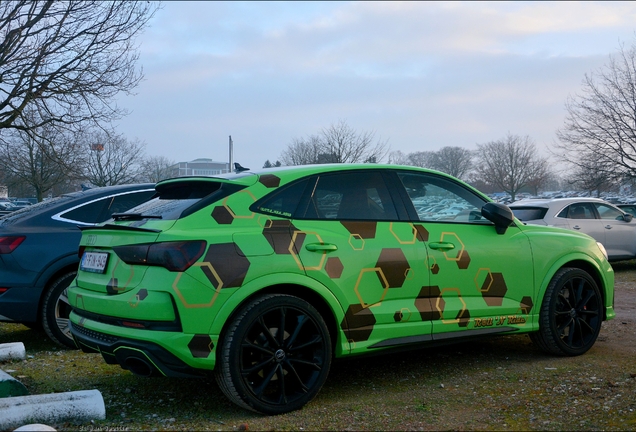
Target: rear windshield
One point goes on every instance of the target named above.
(529, 213)
(178, 200)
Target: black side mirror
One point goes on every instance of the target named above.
(627, 217)
(499, 214)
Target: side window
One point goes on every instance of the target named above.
(439, 199)
(284, 201)
(608, 212)
(87, 213)
(102, 209)
(578, 211)
(354, 195)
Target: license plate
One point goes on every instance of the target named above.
(94, 262)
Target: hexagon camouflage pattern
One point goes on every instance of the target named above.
(392, 287)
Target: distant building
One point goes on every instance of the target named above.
(199, 167)
(4, 192)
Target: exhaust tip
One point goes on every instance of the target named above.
(139, 366)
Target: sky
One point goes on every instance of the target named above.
(420, 75)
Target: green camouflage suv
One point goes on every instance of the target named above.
(263, 278)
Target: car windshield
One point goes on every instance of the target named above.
(529, 213)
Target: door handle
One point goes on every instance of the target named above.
(321, 247)
(441, 246)
(608, 227)
(576, 227)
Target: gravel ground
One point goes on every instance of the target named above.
(498, 384)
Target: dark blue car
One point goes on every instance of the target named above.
(39, 253)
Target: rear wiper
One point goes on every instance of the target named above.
(133, 216)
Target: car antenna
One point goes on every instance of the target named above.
(238, 168)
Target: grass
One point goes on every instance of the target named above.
(502, 383)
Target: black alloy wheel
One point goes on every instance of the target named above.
(571, 314)
(275, 356)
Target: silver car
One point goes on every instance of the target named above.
(605, 222)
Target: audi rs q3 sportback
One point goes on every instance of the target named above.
(263, 278)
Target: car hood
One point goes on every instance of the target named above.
(535, 230)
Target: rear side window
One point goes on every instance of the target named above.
(284, 201)
(101, 210)
(578, 211)
(529, 213)
(354, 195)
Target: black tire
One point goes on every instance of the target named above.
(56, 310)
(270, 371)
(571, 314)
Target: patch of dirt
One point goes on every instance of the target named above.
(500, 383)
(618, 336)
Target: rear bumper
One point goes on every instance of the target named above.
(141, 357)
(20, 304)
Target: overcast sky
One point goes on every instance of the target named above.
(420, 75)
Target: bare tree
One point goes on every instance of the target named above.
(541, 177)
(592, 174)
(345, 145)
(112, 160)
(456, 161)
(302, 151)
(397, 157)
(422, 159)
(601, 121)
(338, 143)
(510, 163)
(268, 164)
(156, 168)
(41, 160)
(66, 60)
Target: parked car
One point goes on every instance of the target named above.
(39, 253)
(263, 277)
(628, 208)
(608, 224)
(7, 207)
(21, 204)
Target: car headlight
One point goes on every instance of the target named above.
(602, 248)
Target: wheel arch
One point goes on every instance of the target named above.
(309, 290)
(61, 267)
(587, 266)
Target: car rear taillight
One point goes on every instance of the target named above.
(175, 256)
(9, 244)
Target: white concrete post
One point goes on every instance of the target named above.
(77, 406)
(12, 351)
